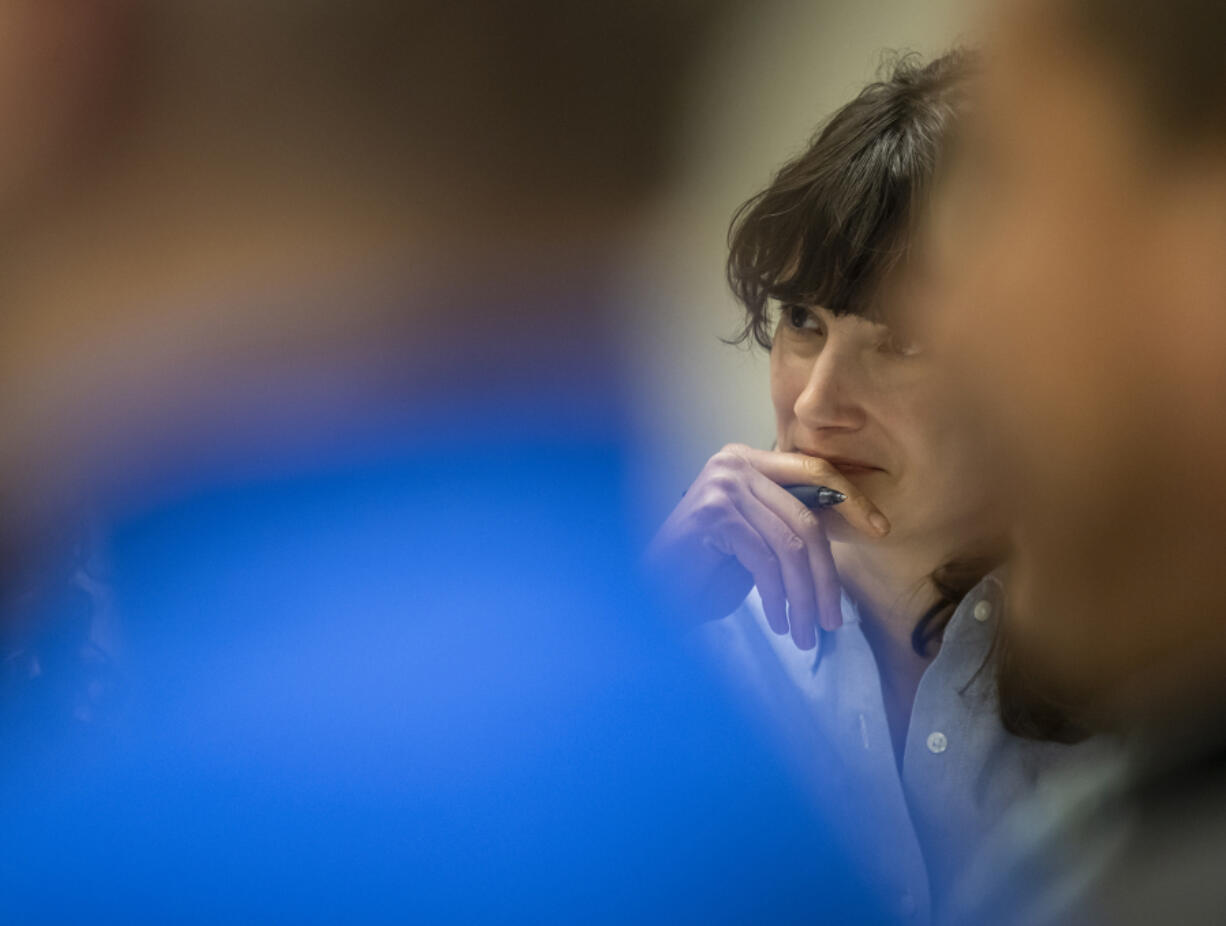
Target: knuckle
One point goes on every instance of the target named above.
(808, 520)
(722, 482)
(793, 542)
(714, 540)
(726, 461)
(711, 505)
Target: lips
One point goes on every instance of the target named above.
(848, 466)
(853, 469)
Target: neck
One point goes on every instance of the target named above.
(893, 589)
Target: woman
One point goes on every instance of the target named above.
(869, 630)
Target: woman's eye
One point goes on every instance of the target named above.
(801, 318)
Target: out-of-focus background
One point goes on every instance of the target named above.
(769, 77)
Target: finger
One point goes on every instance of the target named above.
(807, 525)
(738, 538)
(829, 588)
(802, 469)
(788, 549)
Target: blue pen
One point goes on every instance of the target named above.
(817, 496)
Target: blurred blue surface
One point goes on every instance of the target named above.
(417, 685)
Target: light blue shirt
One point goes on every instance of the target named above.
(910, 833)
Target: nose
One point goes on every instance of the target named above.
(832, 397)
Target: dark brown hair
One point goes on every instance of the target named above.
(830, 228)
(838, 218)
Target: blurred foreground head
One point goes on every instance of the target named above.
(227, 224)
(1089, 211)
(414, 684)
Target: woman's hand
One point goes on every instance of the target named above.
(737, 527)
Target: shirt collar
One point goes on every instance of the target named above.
(973, 623)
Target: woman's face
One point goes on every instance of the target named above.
(856, 393)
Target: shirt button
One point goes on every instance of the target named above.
(983, 610)
(907, 905)
(937, 743)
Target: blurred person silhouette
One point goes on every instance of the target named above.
(866, 631)
(308, 312)
(1085, 219)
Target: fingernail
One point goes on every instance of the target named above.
(878, 521)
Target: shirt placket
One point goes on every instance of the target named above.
(869, 729)
(938, 743)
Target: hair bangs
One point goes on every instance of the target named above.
(837, 220)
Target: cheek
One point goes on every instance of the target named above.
(946, 477)
(788, 377)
